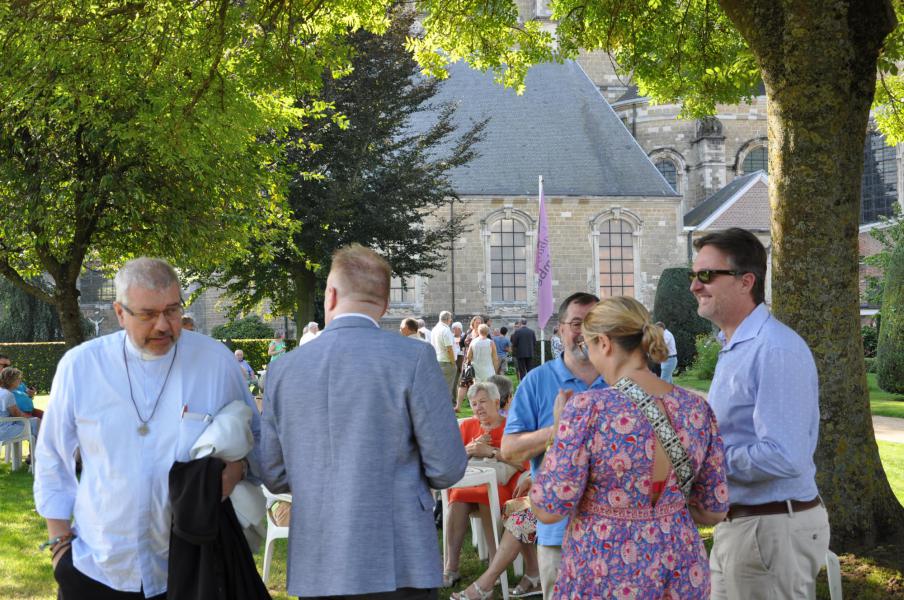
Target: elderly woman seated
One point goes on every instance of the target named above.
(482, 436)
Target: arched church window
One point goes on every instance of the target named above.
(669, 171)
(508, 261)
(616, 252)
(879, 186)
(756, 160)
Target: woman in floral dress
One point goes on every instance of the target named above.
(632, 533)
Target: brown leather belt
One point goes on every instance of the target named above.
(736, 511)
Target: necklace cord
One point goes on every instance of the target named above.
(129, 378)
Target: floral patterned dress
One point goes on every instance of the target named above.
(599, 470)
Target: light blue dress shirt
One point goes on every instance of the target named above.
(531, 410)
(765, 394)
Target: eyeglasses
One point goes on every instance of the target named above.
(575, 324)
(170, 313)
(706, 275)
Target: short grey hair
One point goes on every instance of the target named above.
(484, 386)
(313, 324)
(144, 272)
(445, 316)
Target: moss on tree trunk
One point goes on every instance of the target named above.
(818, 61)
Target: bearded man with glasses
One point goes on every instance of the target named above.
(765, 394)
(133, 403)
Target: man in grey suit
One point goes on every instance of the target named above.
(358, 426)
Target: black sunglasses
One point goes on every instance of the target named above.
(706, 275)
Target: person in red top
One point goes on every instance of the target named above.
(482, 436)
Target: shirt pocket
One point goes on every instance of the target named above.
(190, 428)
(90, 440)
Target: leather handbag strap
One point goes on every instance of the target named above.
(664, 431)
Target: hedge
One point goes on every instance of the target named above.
(676, 306)
(38, 360)
(890, 351)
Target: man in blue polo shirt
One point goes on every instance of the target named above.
(529, 426)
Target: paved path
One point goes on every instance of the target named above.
(889, 429)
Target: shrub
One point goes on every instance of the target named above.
(870, 337)
(255, 350)
(36, 360)
(704, 366)
(890, 351)
(676, 306)
(251, 327)
(870, 362)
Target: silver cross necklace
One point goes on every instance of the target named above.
(143, 429)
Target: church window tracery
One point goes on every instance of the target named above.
(508, 261)
(669, 172)
(879, 186)
(756, 160)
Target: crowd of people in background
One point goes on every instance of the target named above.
(604, 469)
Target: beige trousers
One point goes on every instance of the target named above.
(449, 373)
(773, 557)
(549, 558)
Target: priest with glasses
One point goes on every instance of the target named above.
(133, 403)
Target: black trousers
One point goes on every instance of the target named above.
(525, 364)
(399, 594)
(75, 585)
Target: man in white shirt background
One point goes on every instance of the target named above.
(668, 367)
(442, 340)
(152, 390)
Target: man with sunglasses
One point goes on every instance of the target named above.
(132, 402)
(529, 426)
(765, 395)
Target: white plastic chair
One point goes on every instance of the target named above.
(274, 531)
(13, 446)
(833, 574)
(479, 476)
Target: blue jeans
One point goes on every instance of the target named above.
(668, 367)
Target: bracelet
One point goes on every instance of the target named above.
(53, 542)
(59, 549)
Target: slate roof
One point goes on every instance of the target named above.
(702, 211)
(561, 128)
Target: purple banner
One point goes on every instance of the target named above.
(543, 267)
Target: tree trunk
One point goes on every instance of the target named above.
(818, 61)
(305, 282)
(66, 303)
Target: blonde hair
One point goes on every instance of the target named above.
(483, 329)
(361, 275)
(627, 323)
(8, 376)
(475, 319)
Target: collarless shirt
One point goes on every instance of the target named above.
(531, 410)
(121, 501)
(765, 395)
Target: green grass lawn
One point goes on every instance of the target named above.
(881, 402)
(25, 571)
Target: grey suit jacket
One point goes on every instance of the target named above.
(358, 425)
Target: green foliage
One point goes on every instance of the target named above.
(676, 306)
(250, 327)
(888, 104)
(890, 352)
(374, 182)
(870, 363)
(37, 361)
(256, 350)
(870, 337)
(152, 127)
(890, 234)
(25, 318)
(704, 366)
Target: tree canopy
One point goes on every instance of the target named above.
(368, 175)
(131, 128)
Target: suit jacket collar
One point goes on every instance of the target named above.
(348, 320)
